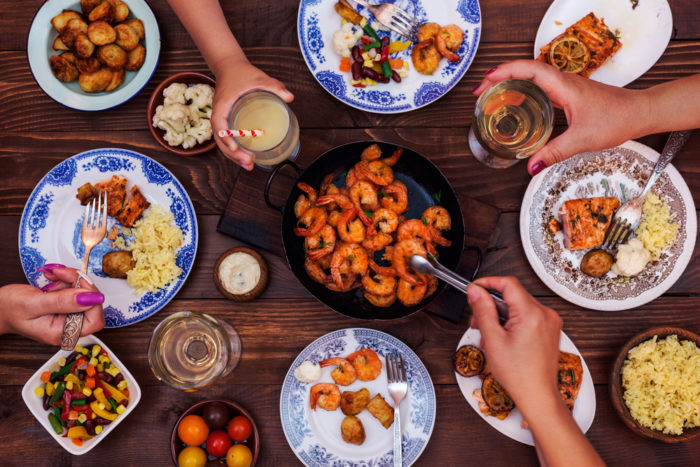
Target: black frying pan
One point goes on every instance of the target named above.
(426, 186)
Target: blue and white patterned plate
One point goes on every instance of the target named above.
(317, 21)
(50, 228)
(314, 436)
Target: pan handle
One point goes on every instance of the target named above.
(478, 259)
(274, 173)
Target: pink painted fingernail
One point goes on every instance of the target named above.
(43, 270)
(537, 168)
(49, 286)
(54, 266)
(491, 71)
(475, 88)
(89, 298)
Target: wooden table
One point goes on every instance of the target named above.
(38, 133)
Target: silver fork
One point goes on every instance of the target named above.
(398, 387)
(93, 231)
(394, 18)
(628, 215)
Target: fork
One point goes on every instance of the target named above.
(398, 387)
(628, 215)
(394, 18)
(93, 231)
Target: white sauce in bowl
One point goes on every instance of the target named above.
(239, 273)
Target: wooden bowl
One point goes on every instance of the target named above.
(235, 409)
(616, 390)
(257, 290)
(186, 77)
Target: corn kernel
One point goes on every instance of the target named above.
(113, 370)
(84, 351)
(406, 65)
(93, 415)
(78, 348)
(87, 392)
(96, 350)
(363, 23)
(343, 21)
(39, 391)
(121, 409)
(98, 429)
(61, 361)
(82, 418)
(49, 388)
(101, 406)
(102, 359)
(121, 385)
(100, 368)
(69, 385)
(403, 74)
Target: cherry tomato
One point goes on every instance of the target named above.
(192, 430)
(216, 415)
(218, 443)
(239, 428)
(192, 456)
(239, 455)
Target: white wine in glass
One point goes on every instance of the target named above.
(512, 121)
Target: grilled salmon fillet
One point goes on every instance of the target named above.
(592, 31)
(570, 377)
(585, 221)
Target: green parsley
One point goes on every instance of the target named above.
(424, 220)
(438, 196)
(350, 258)
(369, 214)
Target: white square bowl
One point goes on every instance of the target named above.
(34, 403)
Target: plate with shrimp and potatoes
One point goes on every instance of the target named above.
(335, 406)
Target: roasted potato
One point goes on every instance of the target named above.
(63, 69)
(70, 56)
(60, 21)
(135, 58)
(59, 45)
(352, 431)
(88, 65)
(102, 12)
(127, 38)
(120, 9)
(83, 47)
(352, 403)
(86, 193)
(112, 56)
(95, 82)
(345, 10)
(118, 263)
(73, 29)
(101, 33)
(597, 263)
(381, 411)
(88, 5)
(137, 26)
(117, 79)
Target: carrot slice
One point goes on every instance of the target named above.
(345, 64)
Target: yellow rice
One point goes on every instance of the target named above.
(156, 237)
(656, 231)
(661, 384)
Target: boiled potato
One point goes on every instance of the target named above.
(63, 69)
(70, 56)
(117, 80)
(82, 46)
(88, 65)
(95, 82)
(102, 12)
(121, 10)
(59, 45)
(112, 56)
(137, 25)
(88, 5)
(59, 21)
(101, 33)
(127, 37)
(135, 58)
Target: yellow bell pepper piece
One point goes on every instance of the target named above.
(116, 394)
(70, 377)
(113, 370)
(100, 396)
(398, 46)
(95, 406)
(78, 432)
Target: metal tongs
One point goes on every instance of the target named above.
(430, 265)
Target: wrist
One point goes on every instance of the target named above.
(540, 404)
(228, 62)
(645, 109)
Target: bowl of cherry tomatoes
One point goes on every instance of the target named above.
(215, 432)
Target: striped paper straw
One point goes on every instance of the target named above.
(253, 133)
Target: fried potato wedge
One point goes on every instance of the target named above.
(102, 12)
(117, 80)
(381, 410)
(63, 69)
(101, 33)
(73, 29)
(127, 37)
(83, 47)
(58, 44)
(112, 56)
(137, 25)
(60, 21)
(88, 65)
(135, 58)
(95, 82)
(345, 10)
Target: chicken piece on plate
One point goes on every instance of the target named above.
(134, 208)
(116, 193)
(585, 221)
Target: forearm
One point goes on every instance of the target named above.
(674, 105)
(206, 24)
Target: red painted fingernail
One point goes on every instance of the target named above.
(54, 266)
(89, 298)
(537, 168)
(490, 71)
(49, 286)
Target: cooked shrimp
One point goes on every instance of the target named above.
(383, 270)
(309, 190)
(350, 282)
(321, 244)
(311, 222)
(414, 228)
(351, 177)
(437, 217)
(348, 257)
(427, 31)
(379, 284)
(325, 395)
(334, 217)
(316, 269)
(364, 196)
(452, 35)
(411, 294)
(301, 205)
(394, 158)
(375, 171)
(328, 188)
(344, 374)
(371, 153)
(384, 221)
(394, 197)
(367, 364)
(441, 45)
(382, 301)
(403, 250)
(425, 57)
(432, 285)
(350, 229)
(377, 241)
(343, 201)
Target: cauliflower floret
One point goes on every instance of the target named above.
(200, 130)
(196, 113)
(345, 38)
(175, 94)
(173, 138)
(175, 116)
(189, 141)
(201, 95)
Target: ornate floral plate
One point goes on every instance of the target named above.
(49, 231)
(621, 172)
(314, 436)
(39, 49)
(584, 406)
(317, 21)
(644, 29)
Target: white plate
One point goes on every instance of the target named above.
(582, 176)
(317, 21)
(34, 403)
(49, 231)
(644, 32)
(39, 49)
(584, 406)
(314, 436)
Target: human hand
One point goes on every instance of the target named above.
(234, 77)
(41, 314)
(599, 116)
(523, 354)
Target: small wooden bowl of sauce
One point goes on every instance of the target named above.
(240, 274)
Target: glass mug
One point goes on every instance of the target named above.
(190, 350)
(512, 120)
(263, 110)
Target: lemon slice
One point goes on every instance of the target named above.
(569, 54)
